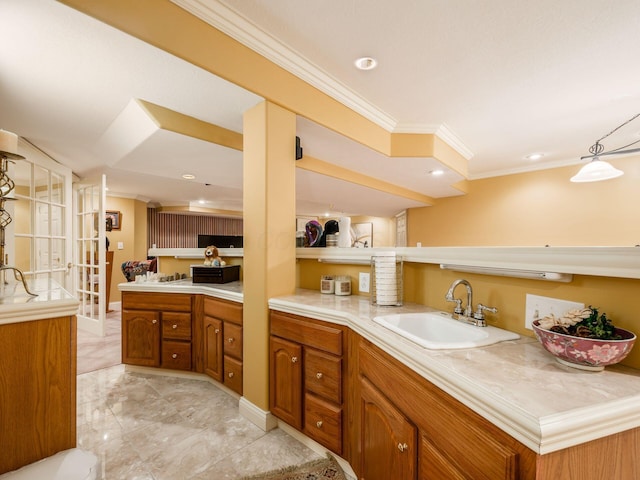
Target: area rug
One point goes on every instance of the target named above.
(323, 469)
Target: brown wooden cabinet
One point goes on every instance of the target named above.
(223, 342)
(37, 390)
(157, 330)
(307, 377)
(406, 428)
(141, 338)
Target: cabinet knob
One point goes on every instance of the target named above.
(174, 326)
(403, 447)
(154, 321)
(230, 374)
(319, 424)
(231, 339)
(175, 355)
(319, 375)
(217, 330)
(294, 359)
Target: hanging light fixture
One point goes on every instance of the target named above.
(598, 169)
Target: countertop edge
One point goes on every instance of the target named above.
(176, 287)
(26, 312)
(540, 434)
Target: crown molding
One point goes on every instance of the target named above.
(239, 28)
(249, 34)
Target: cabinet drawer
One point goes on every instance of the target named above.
(176, 355)
(165, 302)
(233, 374)
(323, 374)
(233, 340)
(322, 336)
(323, 422)
(176, 325)
(227, 311)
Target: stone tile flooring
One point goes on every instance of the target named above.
(144, 426)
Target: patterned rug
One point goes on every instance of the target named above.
(323, 469)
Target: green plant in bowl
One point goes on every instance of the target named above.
(584, 339)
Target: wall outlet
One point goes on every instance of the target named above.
(363, 282)
(539, 307)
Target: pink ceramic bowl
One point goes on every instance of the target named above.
(585, 353)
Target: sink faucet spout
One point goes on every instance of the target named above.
(468, 311)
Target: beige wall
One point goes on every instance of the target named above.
(535, 209)
(133, 235)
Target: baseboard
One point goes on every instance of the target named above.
(319, 449)
(261, 418)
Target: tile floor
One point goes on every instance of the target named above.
(144, 426)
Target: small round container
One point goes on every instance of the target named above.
(327, 284)
(343, 285)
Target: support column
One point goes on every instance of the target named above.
(269, 235)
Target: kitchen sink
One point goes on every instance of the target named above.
(438, 330)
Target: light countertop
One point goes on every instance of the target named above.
(51, 301)
(227, 291)
(516, 385)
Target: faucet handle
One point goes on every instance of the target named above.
(479, 313)
(458, 308)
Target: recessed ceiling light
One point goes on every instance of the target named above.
(366, 63)
(188, 176)
(534, 156)
(436, 173)
(202, 202)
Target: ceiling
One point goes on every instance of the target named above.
(498, 80)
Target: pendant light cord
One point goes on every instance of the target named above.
(597, 147)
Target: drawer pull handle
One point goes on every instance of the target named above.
(319, 375)
(403, 447)
(175, 355)
(230, 374)
(294, 359)
(174, 326)
(319, 424)
(154, 321)
(231, 340)
(217, 330)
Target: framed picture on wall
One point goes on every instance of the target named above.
(363, 234)
(116, 219)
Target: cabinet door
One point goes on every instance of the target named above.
(141, 338)
(388, 438)
(213, 365)
(233, 340)
(233, 374)
(176, 325)
(176, 355)
(285, 370)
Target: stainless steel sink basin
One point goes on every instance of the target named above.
(437, 330)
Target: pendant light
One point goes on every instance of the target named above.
(598, 169)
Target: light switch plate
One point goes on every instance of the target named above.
(120, 245)
(363, 282)
(539, 307)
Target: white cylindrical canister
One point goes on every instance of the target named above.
(344, 227)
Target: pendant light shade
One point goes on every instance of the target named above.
(595, 171)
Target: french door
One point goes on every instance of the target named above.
(90, 255)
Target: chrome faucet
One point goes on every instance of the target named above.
(468, 315)
(450, 298)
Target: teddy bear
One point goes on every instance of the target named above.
(212, 257)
